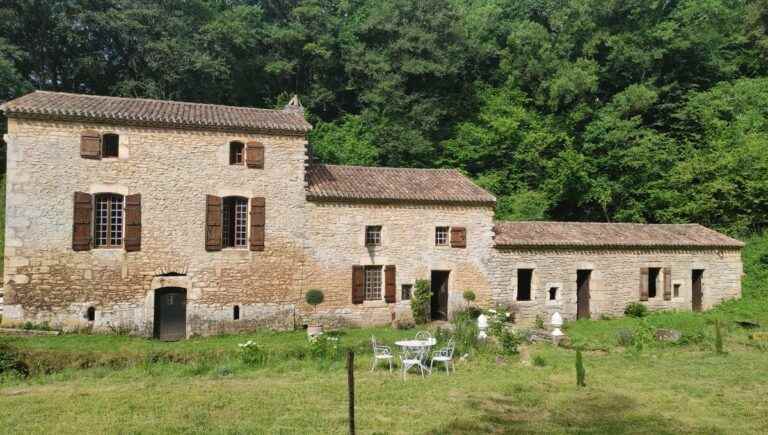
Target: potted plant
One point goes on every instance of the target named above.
(314, 297)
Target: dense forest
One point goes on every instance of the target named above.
(607, 110)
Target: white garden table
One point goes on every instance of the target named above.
(421, 347)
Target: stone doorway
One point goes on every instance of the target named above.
(439, 301)
(170, 313)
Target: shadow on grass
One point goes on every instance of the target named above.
(589, 412)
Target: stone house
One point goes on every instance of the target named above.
(173, 219)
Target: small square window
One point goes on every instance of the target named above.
(676, 291)
(406, 292)
(441, 236)
(236, 153)
(553, 293)
(373, 235)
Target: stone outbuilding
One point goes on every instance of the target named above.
(173, 219)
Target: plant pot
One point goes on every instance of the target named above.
(314, 330)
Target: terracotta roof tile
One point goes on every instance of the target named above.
(138, 111)
(531, 234)
(358, 183)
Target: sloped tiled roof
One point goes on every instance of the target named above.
(579, 234)
(358, 183)
(145, 112)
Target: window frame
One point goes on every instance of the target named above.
(236, 158)
(373, 230)
(230, 204)
(104, 148)
(108, 244)
(380, 280)
(438, 232)
(406, 296)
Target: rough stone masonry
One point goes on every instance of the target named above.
(115, 205)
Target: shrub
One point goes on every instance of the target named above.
(539, 322)
(9, 358)
(510, 342)
(539, 361)
(496, 320)
(642, 336)
(625, 337)
(314, 297)
(251, 354)
(325, 348)
(636, 309)
(465, 331)
(581, 373)
(420, 301)
(469, 296)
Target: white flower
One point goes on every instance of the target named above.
(492, 311)
(507, 315)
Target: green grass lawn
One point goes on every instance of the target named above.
(117, 384)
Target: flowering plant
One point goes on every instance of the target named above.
(496, 320)
(325, 347)
(251, 354)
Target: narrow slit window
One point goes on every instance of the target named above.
(373, 283)
(653, 280)
(553, 293)
(108, 220)
(236, 312)
(90, 314)
(236, 153)
(524, 278)
(110, 145)
(676, 290)
(235, 222)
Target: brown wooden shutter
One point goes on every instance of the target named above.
(254, 155)
(90, 144)
(458, 237)
(644, 284)
(133, 223)
(258, 218)
(81, 228)
(212, 223)
(667, 284)
(358, 284)
(390, 287)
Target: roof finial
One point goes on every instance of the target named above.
(294, 105)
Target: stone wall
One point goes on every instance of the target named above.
(615, 278)
(336, 242)
(173, 170)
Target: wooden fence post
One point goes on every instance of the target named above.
(351, 389)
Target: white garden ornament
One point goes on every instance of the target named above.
(556, 322)
(482, 325)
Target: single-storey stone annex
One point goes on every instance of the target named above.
(173, 219)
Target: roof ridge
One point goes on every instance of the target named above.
(387, 167)
(155, 100)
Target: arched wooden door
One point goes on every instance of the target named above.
(170, 313)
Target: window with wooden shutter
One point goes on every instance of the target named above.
(254, 155)
(133, 223)
(236, 153)
(644, 284)
(458, 237)
(667, 284)
(109, 220)
(258, 218)
(90, 144)
(358, 284)
(390, 289)
(81, 228)
(212, 223)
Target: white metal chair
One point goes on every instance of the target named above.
(423, 335)
(412, 357)
(445, 356)
(381, 353)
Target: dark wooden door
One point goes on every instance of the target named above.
(171, 314)
(582, 293)
(439, 302)
(697, 292)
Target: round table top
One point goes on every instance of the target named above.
(416, 343)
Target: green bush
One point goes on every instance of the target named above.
(539, 361)
(252, 355)
(314, 297)
(325, 347)
(469, 296)
(539, 322)
(636, 309)
(9, 358)
(625, 337)
(465, 331)
(510, 342)
(421, 301)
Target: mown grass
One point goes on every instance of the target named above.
(115, 384)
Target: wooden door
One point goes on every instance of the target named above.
(171, 314)
(582, 293)
(697, 292)
(439, 302)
